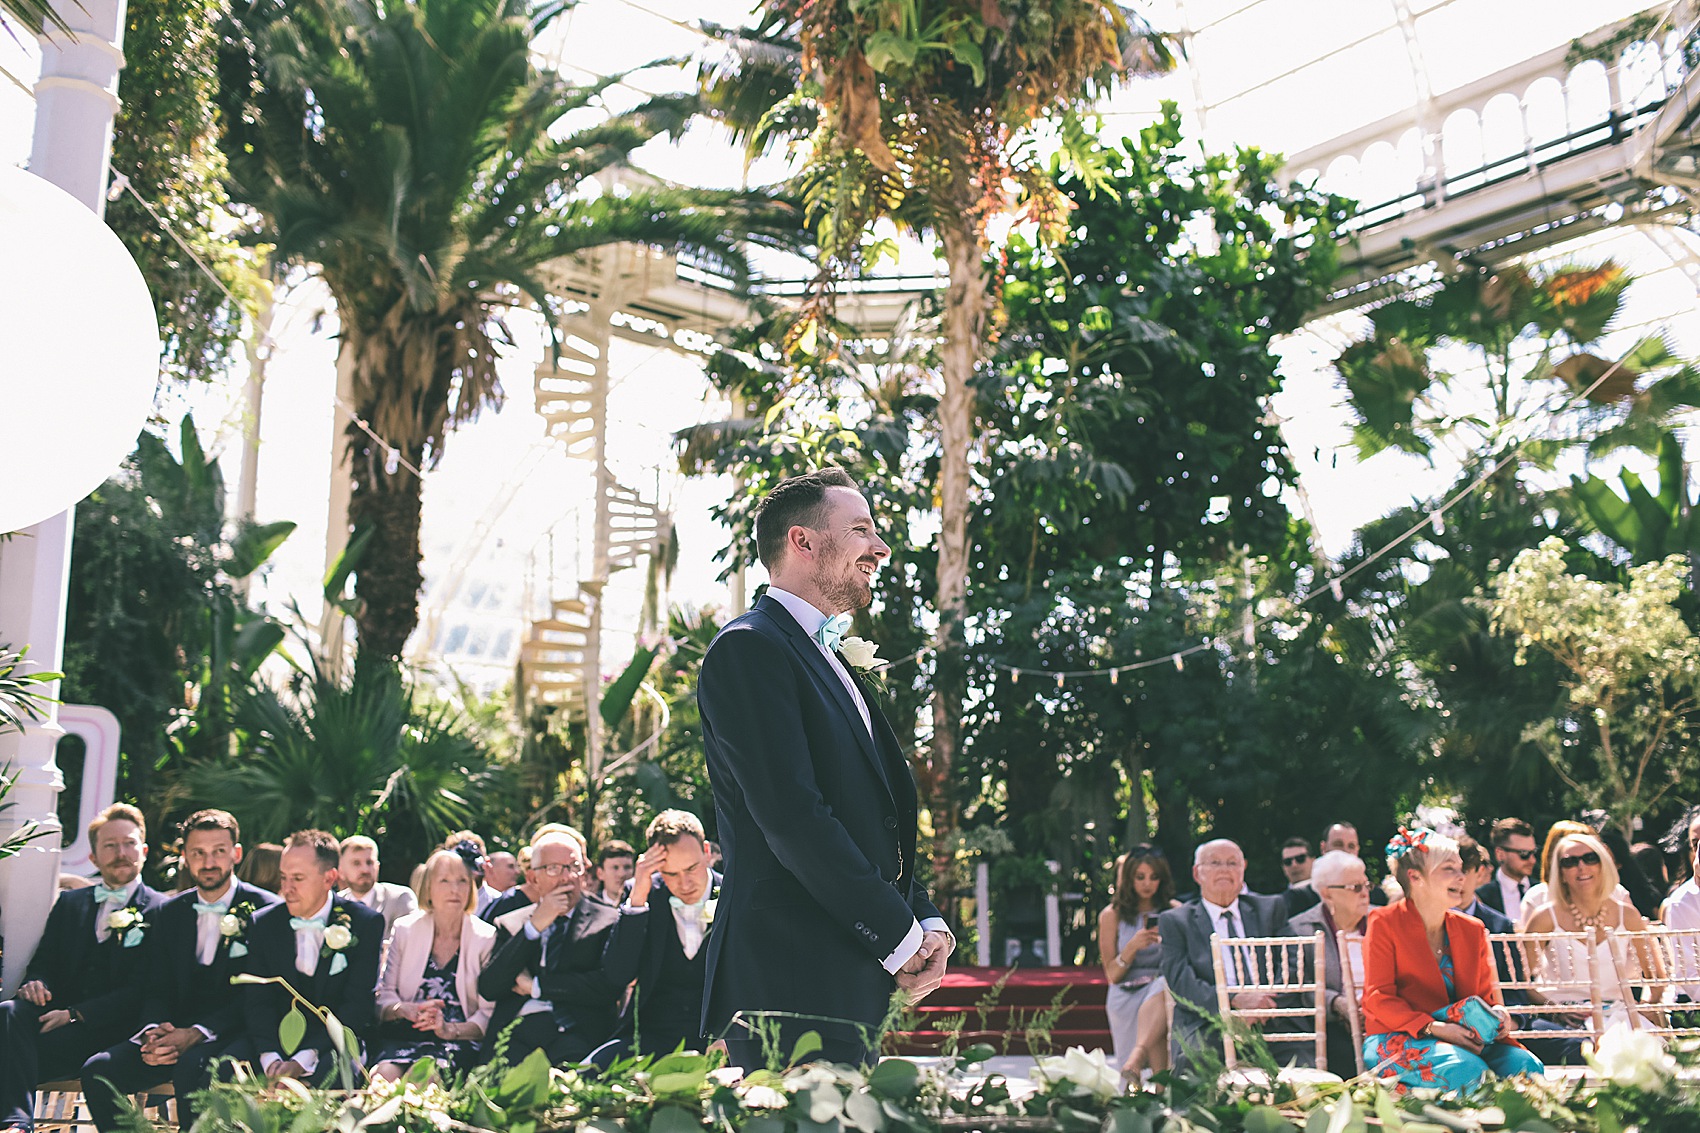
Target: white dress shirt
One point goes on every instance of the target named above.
(1511, 891)
(689, 919)
(112, 905)
(207, 925)
(811, 619)
(1233, 927)
(1682, 911)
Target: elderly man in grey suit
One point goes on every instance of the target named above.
(1222, 907)
(358, 867)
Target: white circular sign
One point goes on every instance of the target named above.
(82, 350)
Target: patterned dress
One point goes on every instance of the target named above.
(403, 1044)
(1415, 1063)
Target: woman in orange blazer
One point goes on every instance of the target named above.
(1421, 957)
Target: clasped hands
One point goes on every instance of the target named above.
(426, 1015)
(922, 973)
(164, 1044)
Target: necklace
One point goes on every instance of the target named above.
(1597, 920)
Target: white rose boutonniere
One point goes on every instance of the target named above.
(860, 652)
(708, 908)
(230, 925)
(339, 938)
(128, 924)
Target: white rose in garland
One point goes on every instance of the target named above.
(1089, 1072)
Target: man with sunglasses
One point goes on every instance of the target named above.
(1515, 852)
(1297, 862)
(546, 969)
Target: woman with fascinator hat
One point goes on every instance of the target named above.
(1433, 1013)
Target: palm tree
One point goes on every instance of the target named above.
(920, 111)
(412, 153)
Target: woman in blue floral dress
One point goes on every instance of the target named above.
(1433, 1015)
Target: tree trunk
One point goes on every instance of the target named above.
(388, 578)
(967, 300)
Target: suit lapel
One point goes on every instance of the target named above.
(804, 646)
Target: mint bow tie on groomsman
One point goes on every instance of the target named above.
(832, 631)
(102, 894)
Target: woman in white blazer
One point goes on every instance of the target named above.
(428, 1002)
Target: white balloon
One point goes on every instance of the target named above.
(81, 350)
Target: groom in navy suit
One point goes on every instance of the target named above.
(821, 917)
(83, 985)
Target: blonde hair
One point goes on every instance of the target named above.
(357, 842)
(549, 828)
(117, 811)
(1556, 887)
(1422, 851)
(422, 887)
(1559, 829)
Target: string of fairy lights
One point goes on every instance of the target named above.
(1333, 585)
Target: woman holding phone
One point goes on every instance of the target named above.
(1129, 950)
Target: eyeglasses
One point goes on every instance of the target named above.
(1360, 887)
(1524, 854)
(559, 870)
(1220, 865)
(1574, 860)
(1297, 859)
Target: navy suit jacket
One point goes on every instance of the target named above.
(351, 994)
(586, 1002)
(173, 994)
(817, 821)
(637, 946)
(102, 980)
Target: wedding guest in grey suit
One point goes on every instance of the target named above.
(358, 869)
(1223, 907)
(1343, 884)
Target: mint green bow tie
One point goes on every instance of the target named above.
(219, 907)
(831, 631)
(102, 894)
(299, 923)
(678, 904)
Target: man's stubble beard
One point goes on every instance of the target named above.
(847, 593)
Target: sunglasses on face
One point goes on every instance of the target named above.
(1360, 887)
(1526, 855)
(1298, 859)
(1574, 860)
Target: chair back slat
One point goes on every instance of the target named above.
(1287, 968)
(1654, 967)
(1559, 979)
(1352, 944)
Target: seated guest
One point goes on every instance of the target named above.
(526, 893)
(1188, 967)
(1433, 1016)
(1343, 884)
(428, 1001)
(501, 873)
(1581, 881)
(665, 950)
(547, 966)
(357, 867)
(1514, 851)
(260, 867)
(189, 1009)
(1296, 863)
(1343, 836)
(326, 946)
(1538, 893)
(1129, 950)
(615, 864)
(1478, 871)
(84, 984)
(1682, 908)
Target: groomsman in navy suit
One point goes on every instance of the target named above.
(326, 946)
(82, 987)
(189, 1011)
(666, 915)
(823, 913)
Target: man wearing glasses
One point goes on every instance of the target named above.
(546, 969)
(1515, 850)
(1296, 863)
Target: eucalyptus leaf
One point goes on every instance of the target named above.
(808, 1044)
(895, 1078)
(291, 1030)
(1264, 1119)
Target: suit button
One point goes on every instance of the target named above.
(890, 822)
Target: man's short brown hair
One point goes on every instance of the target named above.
(211, 819)
(117, 810)
(671, 825)
(1470, 854)
(1508, 828)
(795, 501)
(323, 844)
(614, 848)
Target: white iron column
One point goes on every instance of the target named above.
(601, 536)
(75, 101)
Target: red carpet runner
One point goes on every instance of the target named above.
(1015, 1010)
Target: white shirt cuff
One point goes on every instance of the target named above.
(900, 955)
(308, 1060)
(627, 909)
(269, 1059)
(936, 924)
(206, 1033)
(532, 932)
